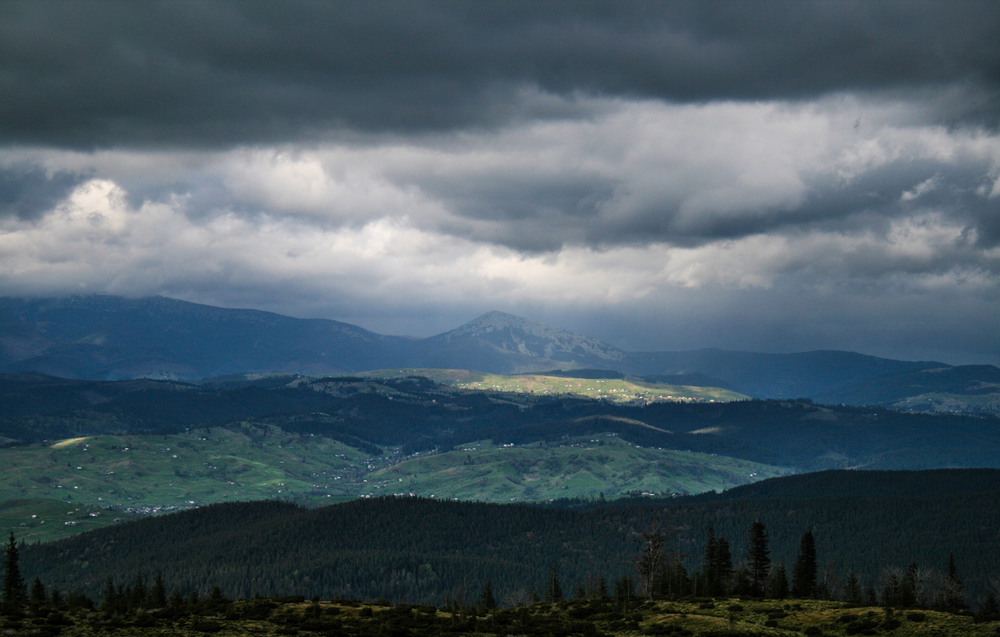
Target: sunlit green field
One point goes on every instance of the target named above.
(613, 389)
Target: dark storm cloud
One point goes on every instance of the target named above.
(90, 74)
(28, 192)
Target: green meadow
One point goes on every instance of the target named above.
(612, 389)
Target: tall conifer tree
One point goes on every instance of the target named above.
(759, 558)
(804, 575)
(555, 592)
(14, 590)
(487, 601)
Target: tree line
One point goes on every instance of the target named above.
(658, 574)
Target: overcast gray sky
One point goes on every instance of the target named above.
(767, 176)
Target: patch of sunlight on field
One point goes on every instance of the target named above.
(69, 442)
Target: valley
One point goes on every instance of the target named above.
(124, 448)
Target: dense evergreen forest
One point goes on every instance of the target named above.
(428, 551)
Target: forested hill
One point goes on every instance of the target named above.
(417, 414)
(427, 550)
(866, 484)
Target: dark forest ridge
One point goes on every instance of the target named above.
(428, 550)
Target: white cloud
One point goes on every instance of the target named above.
(639, 206)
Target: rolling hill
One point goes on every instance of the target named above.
(145, 445)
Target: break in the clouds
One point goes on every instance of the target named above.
(763, 176)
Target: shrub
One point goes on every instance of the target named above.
(206, 626)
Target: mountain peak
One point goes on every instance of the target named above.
(498, 319)
(510, 333)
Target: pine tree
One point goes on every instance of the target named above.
(709, 567)
(624, 589)
(990, 610)
(777, 583)
(804, 575)
(602, 589)
(555, 592)
(487, 601)
(137, 595)
(158, 593)
(14, 591)
(38, 597)
(723, 566)
(56, 598)
(110, 599)
(852, 590)
(909, 591)
(759, 558)
(952, 596)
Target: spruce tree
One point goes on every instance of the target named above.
(38, 597)
(56, 599)
(990, 609)
(555, 592)
(804, 575)
(14, 591)
(624, 589)
(759, 558)
(723, 566)
(952, 596)
(777, 583)
(717, 568)
(487, 601)
(110, 599)
(602, 589)
(158, 593)
(709, 567)
(852, 590)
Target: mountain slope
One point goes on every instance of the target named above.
(798, 375)
(106, 337)
(514, 344)
(970, 388)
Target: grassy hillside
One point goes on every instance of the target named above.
(579, 469)
(44, 519)
(158, 473)
(718, 618)
(619, 390)
(177, 470)
(965, 388)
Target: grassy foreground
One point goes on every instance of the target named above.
(708, 618)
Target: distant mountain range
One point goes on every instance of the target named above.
(108, 337)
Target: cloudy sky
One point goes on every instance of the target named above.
(767, 176)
